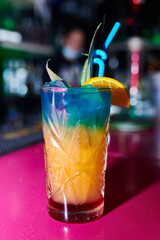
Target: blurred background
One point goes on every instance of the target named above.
(32, 31)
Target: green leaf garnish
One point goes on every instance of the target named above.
(51, 74)
(83, 78)
(85, 54)
(91, 48)
(88, 65)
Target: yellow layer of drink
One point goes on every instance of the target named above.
(75, 165)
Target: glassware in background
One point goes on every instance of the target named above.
(15, 77)
(18, 75)
(153, 68)
(142, 112)
(155, 78)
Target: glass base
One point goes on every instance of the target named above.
(77, 214)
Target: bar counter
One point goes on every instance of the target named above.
(132, 200)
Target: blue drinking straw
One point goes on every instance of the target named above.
(102, 53)
(111, 34)
(101, 64)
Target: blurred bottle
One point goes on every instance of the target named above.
(142, 112)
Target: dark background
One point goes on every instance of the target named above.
(41, 27)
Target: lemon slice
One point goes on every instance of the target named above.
(119, 94)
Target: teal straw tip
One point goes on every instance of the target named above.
(101, 53)
(118, 24)
(112, 34)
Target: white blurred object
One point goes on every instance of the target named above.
(15, 79)
(115, 110)
(10, 36)
(135, 44)
(113, 63)
(155, 76)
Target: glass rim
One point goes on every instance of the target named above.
(74, 90)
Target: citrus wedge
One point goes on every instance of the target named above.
(119, 94)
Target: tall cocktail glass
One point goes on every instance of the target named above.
(75, 129)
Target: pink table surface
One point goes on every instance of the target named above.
(132, 200)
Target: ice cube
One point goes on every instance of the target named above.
(103, 115)
(82, 104)
(58, 97)
(57, 83)
(75, 95)
(88, 86)
(46, 102)
(72, 109)
(90, 105)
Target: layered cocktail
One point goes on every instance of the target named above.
(75, 127)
